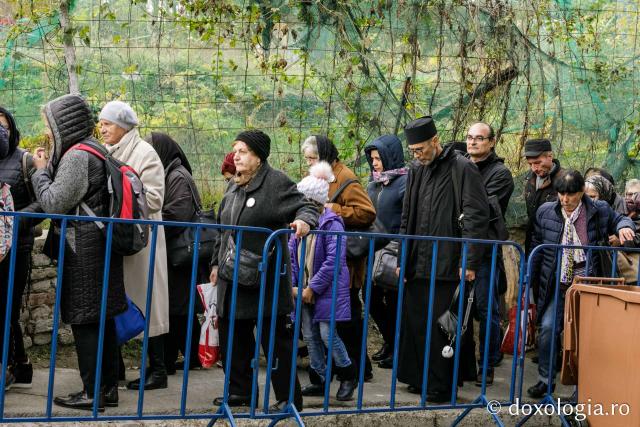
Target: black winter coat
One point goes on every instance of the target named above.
(429, 210)
(179, 206)
(85, 243)
(535, 198)
(270, 200)
(497, 179)
(549, 225)
(387, 199)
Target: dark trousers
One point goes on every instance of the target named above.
(383, 307)
(86, 340)
(23, 266)
(174, 341)
(239, 374)
(351, 332)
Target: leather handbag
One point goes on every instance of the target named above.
(180, 249)
(448, 321)
(384, 267)
(249, 266)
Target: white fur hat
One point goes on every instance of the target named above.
(316, 185)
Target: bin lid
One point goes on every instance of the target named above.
(626, 293)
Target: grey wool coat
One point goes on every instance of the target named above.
(270, 200)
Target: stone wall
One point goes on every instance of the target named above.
(37, 313)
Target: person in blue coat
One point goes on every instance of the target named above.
(573, 220)
(386, 190)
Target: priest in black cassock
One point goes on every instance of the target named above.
(430, 209)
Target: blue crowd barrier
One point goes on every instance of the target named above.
(274, 249)
(558, 250)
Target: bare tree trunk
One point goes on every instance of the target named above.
(69, 49)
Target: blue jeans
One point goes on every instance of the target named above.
(316, 336)
(546, 334)
(481, 299)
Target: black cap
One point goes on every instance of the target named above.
(258, 141)
(535, 147)
(420, 130)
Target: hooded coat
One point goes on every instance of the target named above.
(387, 198)
(13, 172)
(141, 156)
(324, 262)
(75, 176)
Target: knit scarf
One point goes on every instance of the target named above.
(385, 177)
(570, 237)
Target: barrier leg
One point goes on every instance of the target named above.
(223, 413)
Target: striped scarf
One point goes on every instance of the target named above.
(571, 257)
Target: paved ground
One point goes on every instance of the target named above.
(204, 385)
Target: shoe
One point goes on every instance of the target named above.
(313, 390)
(414, 389)
(534, 359)
(489, 378)
(111, 396)
(381, 354)
(80, 400)
(234, 400)
(280, 406)
(368, 376)
(9, 380)
(153, 381)
(438, 397)
(192, 366)
(539, 389)
(386, 363)
(23, 373)
(348, 383)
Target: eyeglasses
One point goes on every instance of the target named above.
(414, 151)
(629, 195)
(310, 158)
(478, 138)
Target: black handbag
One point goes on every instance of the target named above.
(448, 321)
(249, 266)
(384, 267)
(180, 248)
(358, 246)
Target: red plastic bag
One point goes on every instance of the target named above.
(209, 348)
(509, 337)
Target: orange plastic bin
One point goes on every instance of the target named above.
(609, 354)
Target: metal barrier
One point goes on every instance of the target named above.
(273, 249)
(557, 250)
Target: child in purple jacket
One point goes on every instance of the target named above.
(319, 265)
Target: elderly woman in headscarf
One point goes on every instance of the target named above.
(257, 196)
(16, 167)
(181, 202)
(347, 198)
(609, 194)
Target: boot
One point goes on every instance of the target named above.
(156, 377)
(316, 388)
(348, 382)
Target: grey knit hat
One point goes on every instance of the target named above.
(120, 113)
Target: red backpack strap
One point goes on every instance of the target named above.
(89, 149)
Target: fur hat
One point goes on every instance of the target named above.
(316, 185)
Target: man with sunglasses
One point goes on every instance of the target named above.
(444, 197)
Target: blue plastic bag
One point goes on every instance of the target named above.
(129, 324)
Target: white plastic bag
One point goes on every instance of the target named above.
(209, 349)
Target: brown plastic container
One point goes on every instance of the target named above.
(609, 354)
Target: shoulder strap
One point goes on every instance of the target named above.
(457, 199)
(189, 180)
(25, 176)
(88, 149)
(341, 189)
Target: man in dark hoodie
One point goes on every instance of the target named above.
(16, 168)
(386, 190)
(444, 197)
(498, 182)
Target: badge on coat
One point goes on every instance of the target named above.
(251, 202)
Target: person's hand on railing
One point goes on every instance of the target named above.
(301, 228)
(626, 234)
(614, 241)
(469, 275)
(213, 277)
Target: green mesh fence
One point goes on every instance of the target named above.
(201, 70)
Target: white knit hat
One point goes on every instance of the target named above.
(120, 113)
(316, 185)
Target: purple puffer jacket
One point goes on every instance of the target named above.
(323, 269)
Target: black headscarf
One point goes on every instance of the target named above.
(14, 137)
(326, 150)
(168, 150)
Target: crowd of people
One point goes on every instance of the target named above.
(446, 190)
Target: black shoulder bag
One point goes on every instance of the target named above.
(180, 249)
